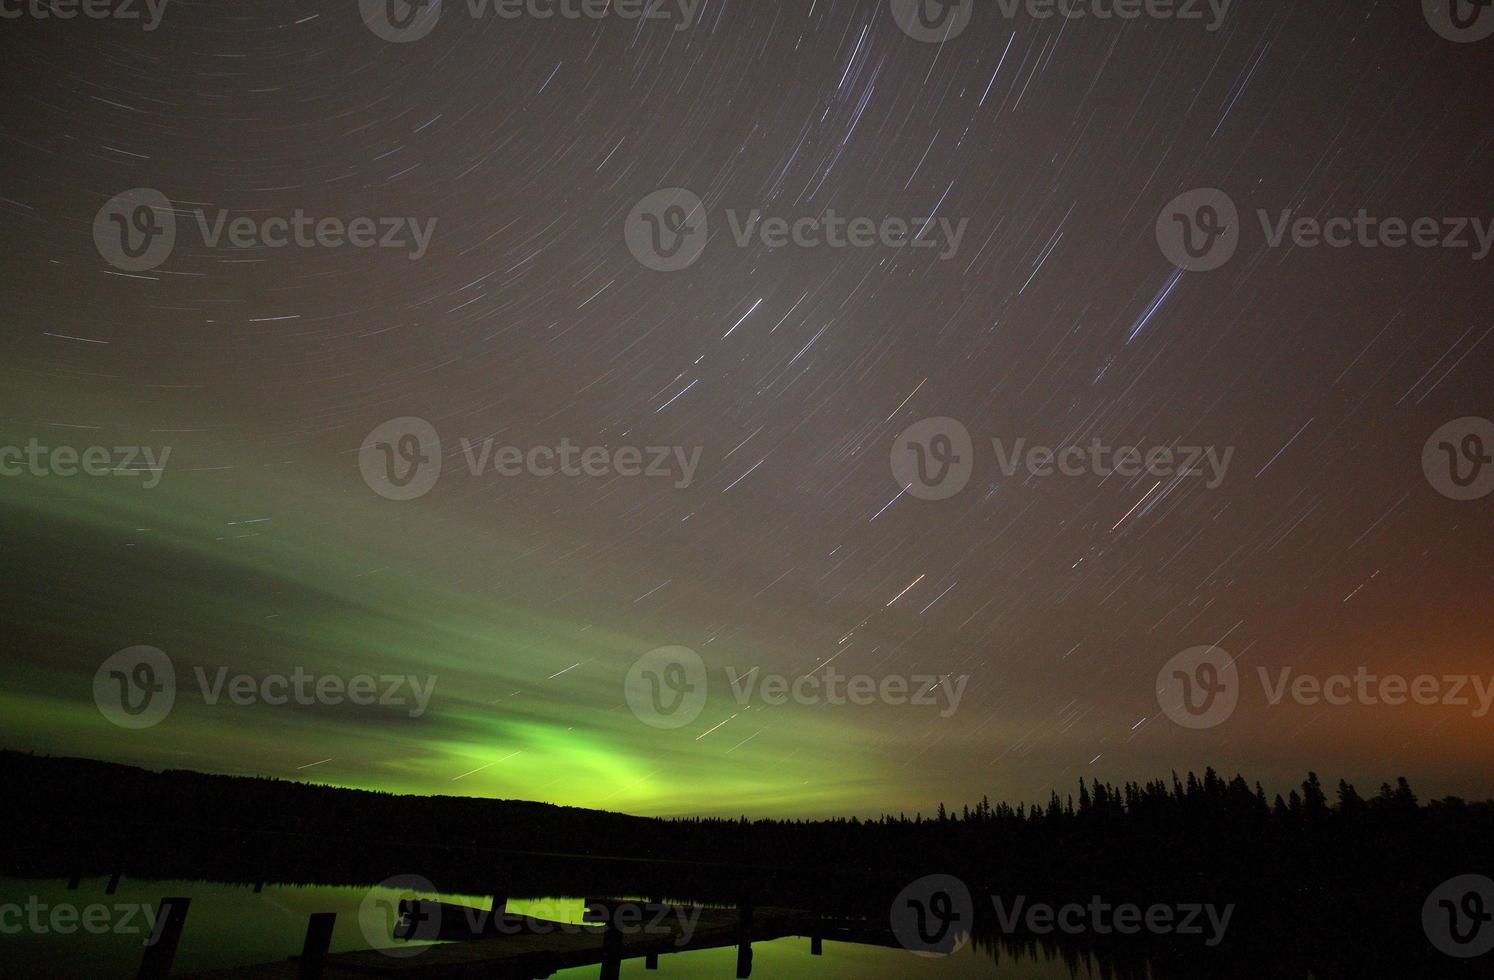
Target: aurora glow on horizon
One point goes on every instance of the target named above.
(793, 548)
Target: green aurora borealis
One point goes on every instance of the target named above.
(528, 692)
(211, 587)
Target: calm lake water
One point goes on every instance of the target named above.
(230, 925)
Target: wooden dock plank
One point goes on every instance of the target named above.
(536, 953)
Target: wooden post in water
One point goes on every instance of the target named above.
(612, 943)
(651, 960)
(744, 939)
(817, 922)
(160, 948)
(318, 941)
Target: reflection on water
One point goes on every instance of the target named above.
(228, 925)
(790, 959)
(231, 925)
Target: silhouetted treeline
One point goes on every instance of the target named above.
(1330, 882)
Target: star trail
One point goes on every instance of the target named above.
(780, 332)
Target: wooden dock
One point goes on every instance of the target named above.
(530, 949)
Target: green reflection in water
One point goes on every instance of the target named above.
(232, 926)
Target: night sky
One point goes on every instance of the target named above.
(1058, 317)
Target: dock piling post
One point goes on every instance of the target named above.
(744, 939)
(651, 960)
(612, 941)
(160, 947)
(318, 941)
